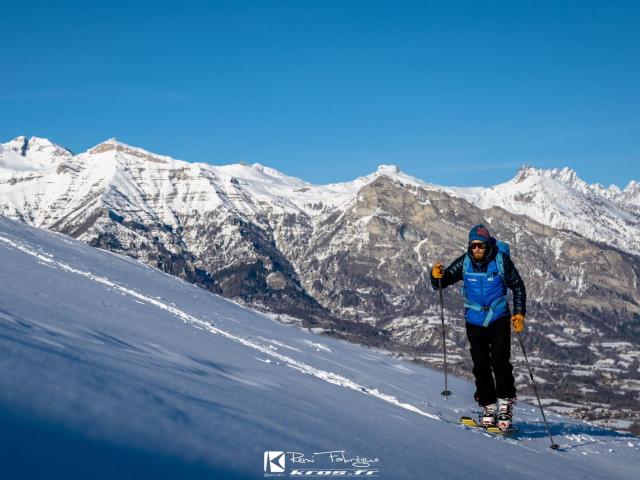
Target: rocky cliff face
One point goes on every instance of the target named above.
(354, 258)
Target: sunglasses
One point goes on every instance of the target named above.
(474, 246)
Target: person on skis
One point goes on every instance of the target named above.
(487, 271)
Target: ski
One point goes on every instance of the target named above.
(470, 422)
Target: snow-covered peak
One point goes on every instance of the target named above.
(566, 175)
(45, 150)
(111, 143)
(559, 198)
(630, 196)
(524, 172)
(632, 187)
(532, 175)
(40, 142)
(24, 145)
(611, 192)
(18, 145)
(529, 177)
(392, 172)
(133, 154)
(388, 169)
(257, 173)
(35, 153)
(115, 142)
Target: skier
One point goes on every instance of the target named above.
(487, 271)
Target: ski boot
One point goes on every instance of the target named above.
(504, 416)
(489, 415)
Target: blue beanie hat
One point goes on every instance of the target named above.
(479, 233)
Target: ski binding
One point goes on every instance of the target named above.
(470, 422)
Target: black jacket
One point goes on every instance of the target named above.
(453, 274)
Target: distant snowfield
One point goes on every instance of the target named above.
(110, 368)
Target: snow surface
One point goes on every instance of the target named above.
(111, 369)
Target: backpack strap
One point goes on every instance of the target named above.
(467, 264)
(498, 303)
(500, 264)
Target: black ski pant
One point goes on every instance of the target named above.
(491, 353)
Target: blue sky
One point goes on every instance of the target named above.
(452, 92)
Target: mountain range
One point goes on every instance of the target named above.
(352, 259)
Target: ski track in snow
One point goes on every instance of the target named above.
(302, 367)
(317, 346)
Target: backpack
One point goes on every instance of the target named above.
(503, 247)
(476, 313)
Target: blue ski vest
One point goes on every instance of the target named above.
(485, 293)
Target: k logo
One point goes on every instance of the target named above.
(274, 462)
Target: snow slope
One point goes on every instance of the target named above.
(109, 367)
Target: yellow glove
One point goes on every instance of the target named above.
(437, 271)
(517, 321)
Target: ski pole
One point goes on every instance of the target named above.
(554, 446)
(446, 391)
